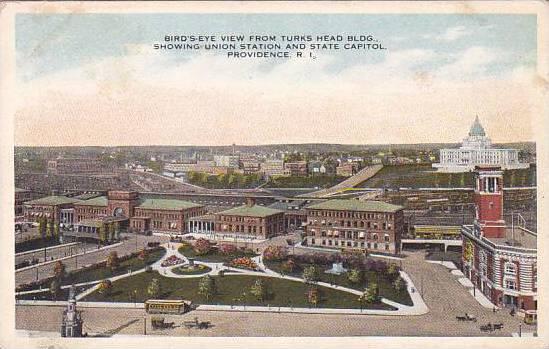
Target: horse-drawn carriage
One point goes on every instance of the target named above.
(201, 325)
(467, 317)
(491, 327)
(158, 323)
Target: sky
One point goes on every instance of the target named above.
(94, 79)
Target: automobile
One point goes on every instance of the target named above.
(189, 237)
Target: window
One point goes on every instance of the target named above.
(510, 268)
(510, 284)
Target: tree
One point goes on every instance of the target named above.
(42, 226)
(153, 290)
(202, 246)
(49, 229)
(392, 270)
(354, 276)
(59, 270)
(207, 287)
(56, 230)
(111, 231)
(399, 284)
(310, 273)
(289, 266)
(259, 290)
(313, 296)
(117, 230)
(113, 261)
(55, 288)
(371, 293)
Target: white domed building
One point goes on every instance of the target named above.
(476, 150)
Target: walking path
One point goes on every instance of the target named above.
(418, 308)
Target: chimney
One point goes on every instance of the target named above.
(250, 202)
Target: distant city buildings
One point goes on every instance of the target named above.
(78, 166)
(477, 149)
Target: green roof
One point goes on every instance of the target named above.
(477, 129)
(167, 204)
(355, 205)
(86, 196)
(53, 201)
(251, 211)
(98, 201)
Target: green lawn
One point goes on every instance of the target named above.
(283, 292)
(214, 256)
(321, 181)
(100, 273)
(199, 269)
(385, 286)
(133, 263)
(424, 176)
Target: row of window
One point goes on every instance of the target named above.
(356, 244)
(350, 214)
(353, 224)
(351, 235)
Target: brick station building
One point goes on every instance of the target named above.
(250, 221)
(500, 260)
(132, 212)
(351, 224)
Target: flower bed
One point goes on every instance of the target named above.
(188, 270)
(171, 261)
(245, 263)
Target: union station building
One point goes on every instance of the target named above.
(131, 212)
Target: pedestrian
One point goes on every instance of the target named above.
(494, 309)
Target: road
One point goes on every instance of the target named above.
(445, 297)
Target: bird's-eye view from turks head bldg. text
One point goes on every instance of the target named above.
(253, 174)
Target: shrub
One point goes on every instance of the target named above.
(275, 253)
(289, 266)
(228, 249)
(243, 262)
(105, 286)
(59, 270)
(313, 296)
(355, 276)
(202, 246)
(399, 284)
(112, 260)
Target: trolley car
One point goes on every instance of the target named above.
(167, 306)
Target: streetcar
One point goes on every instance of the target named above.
(167, 306)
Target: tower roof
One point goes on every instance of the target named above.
(476, 128)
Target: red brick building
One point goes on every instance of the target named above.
(297, 168)
(500, 261)
(351, 224)
(250, 221)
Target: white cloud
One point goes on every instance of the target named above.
(214, 100)
(454, 33)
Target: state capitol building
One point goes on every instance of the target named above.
(476, 149)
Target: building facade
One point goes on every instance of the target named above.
(351, 224)
(500, 261)
(297, 168)
(250, 221)
(77, 166)
(476, 149)
(126, 207)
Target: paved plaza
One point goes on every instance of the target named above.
(443, 294)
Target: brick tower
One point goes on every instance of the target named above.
(489, 202)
